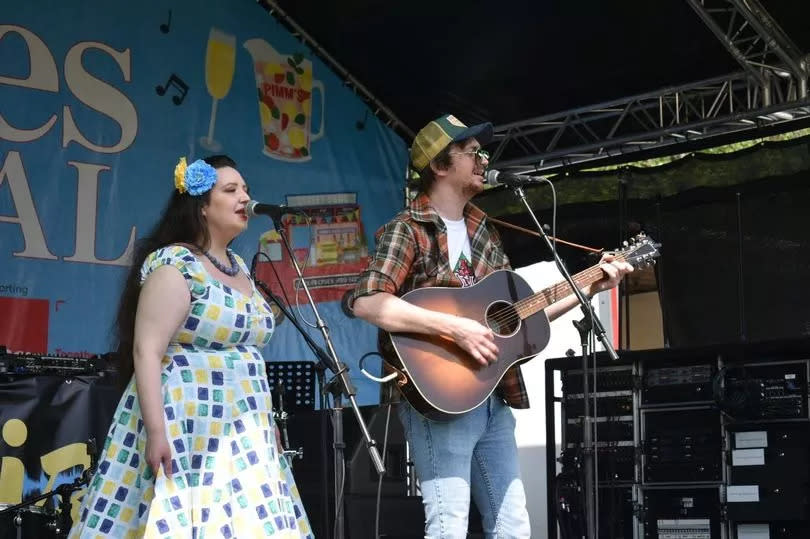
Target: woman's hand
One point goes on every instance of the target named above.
(159, 452)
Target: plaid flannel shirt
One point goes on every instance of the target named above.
(412, 253)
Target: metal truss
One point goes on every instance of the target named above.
(771, 90)
(708, 108)
(754, 39)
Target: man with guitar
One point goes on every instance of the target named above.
(442, 240)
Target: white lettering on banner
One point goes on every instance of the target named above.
(42, 76)
(100, 96)
(93, 92)
(27, 218)
(87, 198)
(35, 246)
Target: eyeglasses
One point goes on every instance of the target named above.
(478, 154)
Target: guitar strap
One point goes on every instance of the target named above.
(552, 238)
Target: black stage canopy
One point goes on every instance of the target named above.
(510, 60)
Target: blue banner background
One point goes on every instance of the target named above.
(136, 181)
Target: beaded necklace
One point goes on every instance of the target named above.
(233, 270)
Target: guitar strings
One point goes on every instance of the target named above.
(509, 314)
(512, 313)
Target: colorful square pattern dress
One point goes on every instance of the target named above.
(228, 479)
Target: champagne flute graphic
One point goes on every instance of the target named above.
(220, 62)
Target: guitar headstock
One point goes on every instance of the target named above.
(641, 251)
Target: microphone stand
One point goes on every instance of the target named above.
(340, 385)
(320, 369)
(584, 328)
(286, 451)
(601, 334)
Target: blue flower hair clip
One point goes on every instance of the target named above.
(197, 178)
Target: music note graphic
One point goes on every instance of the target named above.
(166, 26)
(179, 84)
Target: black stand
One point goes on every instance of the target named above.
(340, 385)
(584, 327)
(320, 372)
(62, 522)
(283, 416)
(601, 334)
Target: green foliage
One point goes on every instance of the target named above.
(731, 164)
(727, 148)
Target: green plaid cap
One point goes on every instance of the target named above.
(438, 134)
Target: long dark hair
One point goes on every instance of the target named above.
(182, 221)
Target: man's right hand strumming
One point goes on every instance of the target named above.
(394, 314)
(475, 339)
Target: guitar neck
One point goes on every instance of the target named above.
(549, 296)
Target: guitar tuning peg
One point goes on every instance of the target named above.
(625, 244)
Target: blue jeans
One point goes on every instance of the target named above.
(476, 453)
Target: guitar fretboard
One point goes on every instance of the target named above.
(548, 296)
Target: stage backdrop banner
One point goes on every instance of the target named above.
(46, 422)
(98, 100)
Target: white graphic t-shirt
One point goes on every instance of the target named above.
(458, 248)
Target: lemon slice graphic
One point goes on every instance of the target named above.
(264, 112)
(298, 137)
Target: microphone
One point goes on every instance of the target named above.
(274, 211)
(496, 177)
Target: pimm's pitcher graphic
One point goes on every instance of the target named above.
(285, 90)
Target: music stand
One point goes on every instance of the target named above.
(298, 380)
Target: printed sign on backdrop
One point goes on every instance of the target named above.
(326, 235)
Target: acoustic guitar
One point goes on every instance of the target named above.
(442, 380)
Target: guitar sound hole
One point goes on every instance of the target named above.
(502, 318)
